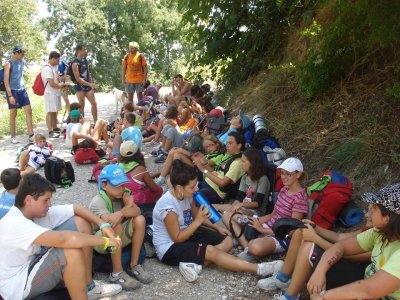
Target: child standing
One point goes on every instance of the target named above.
(37, 155)
(115, 205)
(292, 202)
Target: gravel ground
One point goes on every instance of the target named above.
(213, 283)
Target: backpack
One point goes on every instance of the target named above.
(140, 59)
(70, 71)
(38, 86)
(269, 147)
(97, 168)
(84, 156)
(59, 171)
(248, 134)
(2, 84)
(275, 180)
(231, 189)
(327, 197)
(215, 124)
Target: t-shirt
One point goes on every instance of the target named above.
(48, 72)
(99, 207)
(254, 190)
(167, 203)
(223, 137)
(71, 128)
(173, 135)
(134, 134)
(38, 156)
(287, 204)
(134, 67)
(17, 250)
(386, 258)
(153, 92)
(7, 201)
(234, 173)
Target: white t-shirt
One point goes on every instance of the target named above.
(49, 72)
(17, 250)
(71, 128)
(161, 239)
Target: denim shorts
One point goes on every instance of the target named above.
(134, 87)
(21, 99)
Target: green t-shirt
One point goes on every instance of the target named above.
(386, 258)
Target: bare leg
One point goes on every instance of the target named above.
(167, 144)
(130, 97)
(75, 273)
(138, 225)
(100, 130)
(226, 245)
(81, 99)
(13, 115)
(28, 117)
(262, 246)
(85, 227)
(116, 258)
(291, 256)
(168, 163)
(92, 99)
(226, 217)
(27, 170)
(23, 159)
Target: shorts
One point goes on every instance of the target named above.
(52, 102)
(194, 249)
(343, 272)
(34, 164)
(281, 245)
(82, 88)
(45, 272)
(134, 87)
(21, 99)
(127, 232)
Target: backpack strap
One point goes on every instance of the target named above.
(229, 161)
(107, 201)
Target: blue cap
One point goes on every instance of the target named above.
(114, 175)
(18, 48)
(245, 120)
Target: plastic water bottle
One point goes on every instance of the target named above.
(199, 199)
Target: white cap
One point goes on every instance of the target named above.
(292, 164)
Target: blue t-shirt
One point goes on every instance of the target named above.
(7, 200)
(134, 134)
(16, 78)
(223, 137)
(62, 67)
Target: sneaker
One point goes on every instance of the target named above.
(281, 296)
(53, 134)
(58, 130)
(156, 151)
(272, 284)
(14, 140)
(150, 250)
(190, 271)
(160, 180)
(269, 268)
(140, 274)
(244, 255)
(101, 290)
(127, 282)
(161, 158)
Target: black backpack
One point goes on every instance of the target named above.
(59, 171)
(232, 188)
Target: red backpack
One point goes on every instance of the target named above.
(38, 86)
(327, 197)
(84, 156)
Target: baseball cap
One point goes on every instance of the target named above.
(18, 48)
(216, 112)
(292, 164)
(134, 45)
(245, 120)
(388, 197)
(114, 175)
(75, 114)
(128, 149)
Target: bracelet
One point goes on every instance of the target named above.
(102, 226)
(322, 294)
(107, 242)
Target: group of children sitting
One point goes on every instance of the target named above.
(54, 245)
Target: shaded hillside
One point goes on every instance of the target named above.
(354, 127)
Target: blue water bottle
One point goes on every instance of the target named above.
(199, 199)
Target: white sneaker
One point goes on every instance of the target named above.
(190, 271)
(269, 268)
(272, 284)
(160, 180)
(103, 290)
(244, 255)
(14, 140)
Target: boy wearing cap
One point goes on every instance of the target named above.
(237, 123)
(134, 72)
(115, 205)
(16, 95)
(52, 95)
(51, 245)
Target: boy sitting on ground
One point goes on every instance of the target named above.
(10, 179)
(37, 155)
(115, 205)
(35, 258)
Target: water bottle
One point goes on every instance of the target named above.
(199, 199)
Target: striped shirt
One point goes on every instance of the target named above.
(287, 204)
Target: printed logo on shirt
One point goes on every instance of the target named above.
(187, 217)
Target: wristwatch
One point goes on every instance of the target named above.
(205, 171)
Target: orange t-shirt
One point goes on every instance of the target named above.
(134, 71)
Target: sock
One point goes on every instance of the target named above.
(282, 277)
(115, 275)
(91, 286)
(289, 297)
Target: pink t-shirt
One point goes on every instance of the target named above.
(287, 204)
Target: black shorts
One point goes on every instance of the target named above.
(343, 272)
(194, 249)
